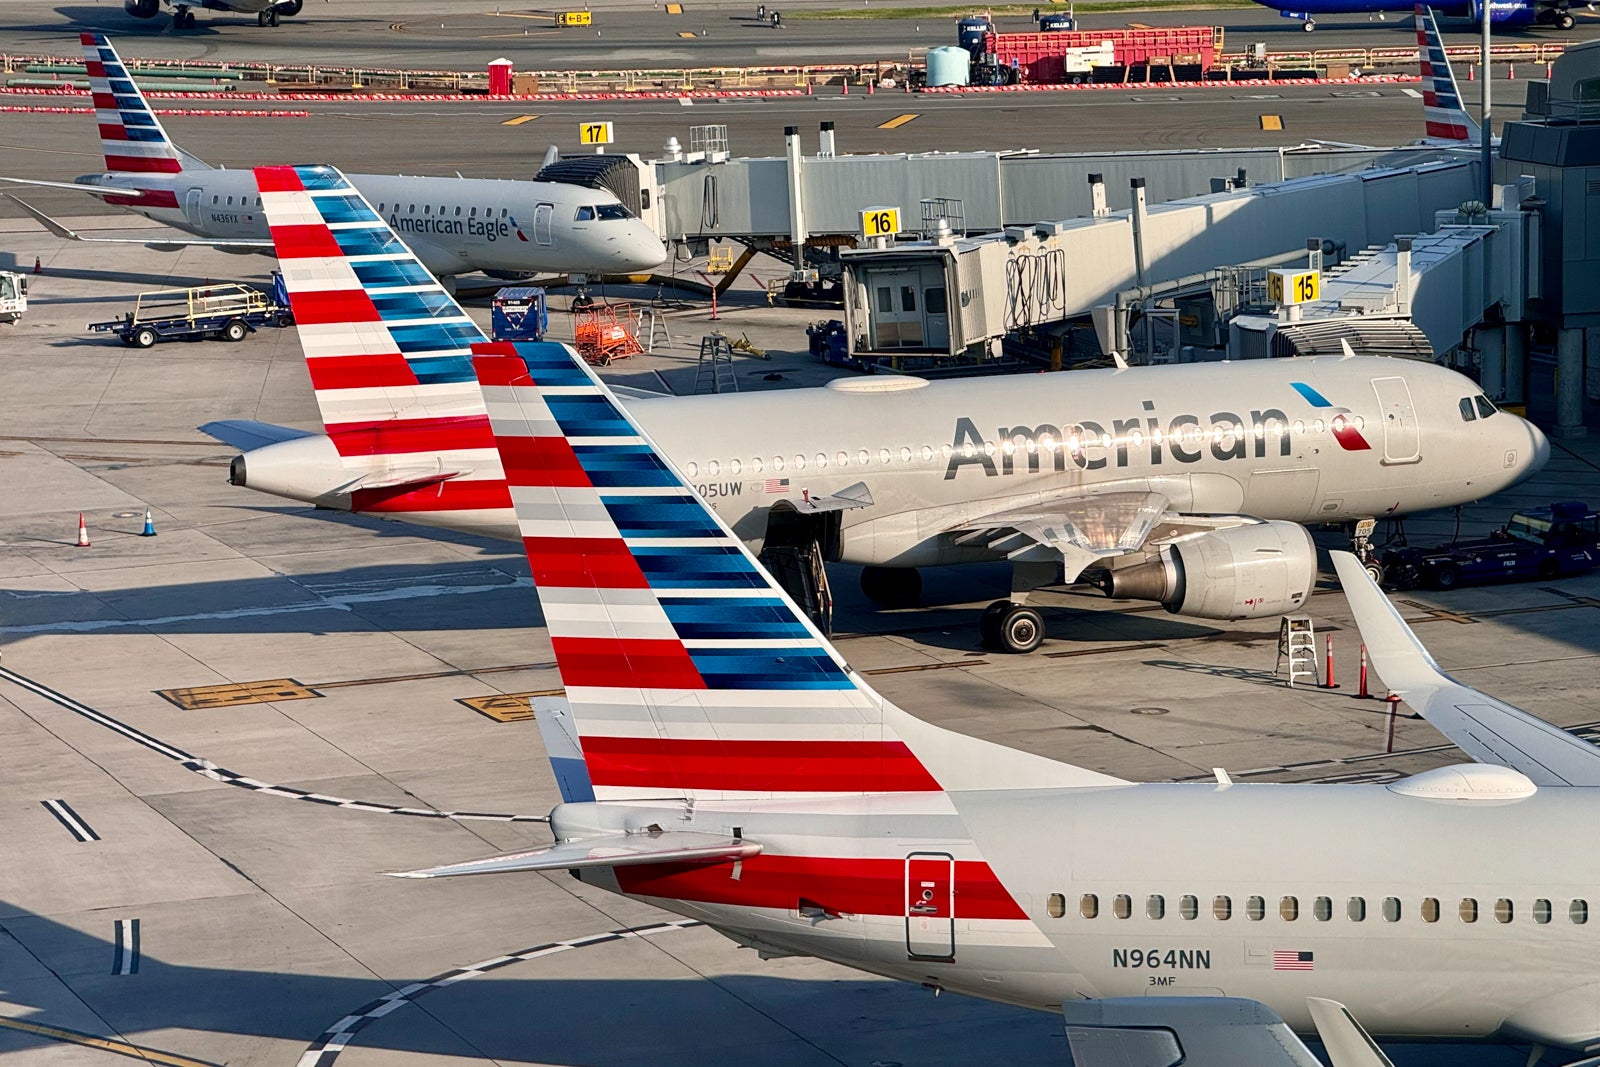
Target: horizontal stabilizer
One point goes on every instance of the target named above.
(404, 477)
(619, 850)
(1489, 730)
(160, 244)
(245, 434)
(1192, 1031)
(76, 187)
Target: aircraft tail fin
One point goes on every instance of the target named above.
(388, 350)
(1446, 120)
(131, 136)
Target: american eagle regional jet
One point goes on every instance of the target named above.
(717, 758)
(454, 225)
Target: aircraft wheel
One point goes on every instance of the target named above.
(1309, 26)
(1021, 630)
(891, 587)
(144, 337)
(261, 18)
(235, 330)
(1447, 577)
(272, 16)
(1374, 571)
(989, 623)
(1565, 21)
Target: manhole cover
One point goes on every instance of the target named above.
(125, 514)
(1150, 711)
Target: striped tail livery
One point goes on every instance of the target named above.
(1447, 121)
(131, 136)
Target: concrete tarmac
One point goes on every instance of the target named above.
(217, 739)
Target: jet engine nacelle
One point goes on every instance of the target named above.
(142, 9)
(1241, 572)
(289, 8)
(302, 468)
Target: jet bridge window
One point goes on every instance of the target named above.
(1322, 909)
(1289, 909)
(1578, 912)
(1222, 908)
(1189, 907)
(1088, 905)
(1122, 905)
(1430, 909)
(1504, 910)
(1055, 905)
(1468, 412)
(1255, 909)
(1155, 906)
(1468, 911)
(1391, 909)
(1355, 909)
(1541, 912)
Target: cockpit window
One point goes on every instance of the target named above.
(586, 214)
(612, 211)
(1467, 412)
(1485, 407)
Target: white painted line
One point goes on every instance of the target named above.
(70, 819)
(125, 947)
(1412, 93)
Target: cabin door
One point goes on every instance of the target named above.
(931, 906)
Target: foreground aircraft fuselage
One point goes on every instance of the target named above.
(1318, 440)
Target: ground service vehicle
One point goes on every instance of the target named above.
(226, 312)
(1543, 543)
(13, 295)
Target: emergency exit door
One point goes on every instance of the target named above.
(541, 224)
(1401, 437)
(192, 208)
(931, 906)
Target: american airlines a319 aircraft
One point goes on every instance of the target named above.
(454, 225)
(1183, 485)
(717, 758)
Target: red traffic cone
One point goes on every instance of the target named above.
(1511, 72)
(846, 86)
(38, 268)
(83, 532)
(872, 87)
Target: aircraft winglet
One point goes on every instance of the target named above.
(1489, 730)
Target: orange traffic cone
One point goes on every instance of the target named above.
(83, 532)
(1472, 73)
(846, 85)
(1511, 72)
(38, 268)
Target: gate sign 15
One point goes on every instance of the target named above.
(1293, 286)
(594, 133)
(880, 222)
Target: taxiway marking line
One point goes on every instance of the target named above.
(105, 1044)
(519, 120)
(897, 122)
(125, 951)
(70, 819)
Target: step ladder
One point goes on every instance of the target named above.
(713, 371)
(799, 570)
(650, 327)
(1297, 644)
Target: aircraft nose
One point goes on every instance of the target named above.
(642, 249)
(1538, 449)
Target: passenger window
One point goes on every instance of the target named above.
(1468, 911)
(1088, 906)
(734, 466)
(427, 209)
(458, 211)
(1541, 912)
(1504, 911)
(1289, 908)
(863, 457)
(502, 212)
(1322, 909)
(884, 455)
(1355, 909)
(1155, 906)
(1122, 905)
(1222, 908)
(1189, 907)
(1430, 909)
(215, 199)
(905, 455)
(1055, 905)
(927, 453)
(411, 209)
(1485, 408)
(713, 468)
(230, 201)
(472, 214)
(1391, 909)
(380, 207)
(1578, 912)
(1468, 414)
(692, 469)
(755, 465)
(822, 460)
(799, 462)
(1255, 909)
(777, 463)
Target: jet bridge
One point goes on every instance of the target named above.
(950, 295)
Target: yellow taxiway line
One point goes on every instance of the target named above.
(106, 1044)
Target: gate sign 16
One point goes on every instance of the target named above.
(880, 222)
(594, 133)
(1293, 286)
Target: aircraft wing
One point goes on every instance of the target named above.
(617, 850)
(1081, 528)
(160, 244)
(1489, 730)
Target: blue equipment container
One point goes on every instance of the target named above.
(520, 314)
(970, 32)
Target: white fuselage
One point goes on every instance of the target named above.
(1375, 887)
(454, 225)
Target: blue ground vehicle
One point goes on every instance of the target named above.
(1544, 543)
(226, 312)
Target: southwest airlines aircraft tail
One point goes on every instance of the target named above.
(1447, 121)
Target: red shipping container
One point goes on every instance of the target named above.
(1038, 56)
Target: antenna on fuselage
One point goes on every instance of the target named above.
(552, 155)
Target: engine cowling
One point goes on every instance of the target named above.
(289, 8)
(1242, 572)
(142, 9)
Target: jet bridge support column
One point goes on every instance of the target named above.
(1491, 345)
(1569, 383)
(1516, 363)
(797, 208)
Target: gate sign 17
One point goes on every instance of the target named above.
(594, 133)
(880, 222)
(1293, 286)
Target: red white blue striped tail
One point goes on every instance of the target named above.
(690, 674)
(130, 134)
(388, 350)
(1443, 114)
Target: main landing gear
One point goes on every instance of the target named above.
(1361, 548)
(182, 18)
(269, 17)
(1011, 627)
(1006, 625)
